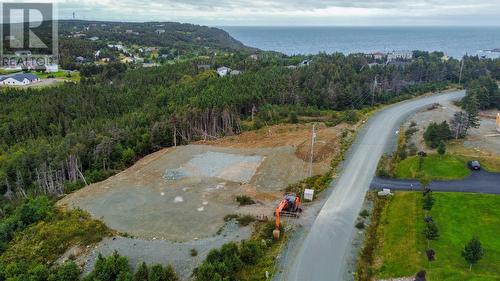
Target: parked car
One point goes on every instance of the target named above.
(474, 165)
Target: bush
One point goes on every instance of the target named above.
(293, 118)
(360, 225)
(435, 133)
(245, 220)
(244, 200)
(251, 251)
(364, 213)
(193, 252)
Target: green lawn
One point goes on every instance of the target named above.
(459, 216)
(62, 74)
(434, 166)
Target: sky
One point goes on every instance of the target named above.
(289, 12)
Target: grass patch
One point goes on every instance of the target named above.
(435, 167)
(459, 216)
(244, 200)
(45, 241)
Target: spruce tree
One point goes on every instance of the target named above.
(473, 252)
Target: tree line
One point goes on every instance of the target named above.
(57, 139)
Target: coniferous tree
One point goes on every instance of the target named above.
(473, 252)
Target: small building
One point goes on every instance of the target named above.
(19, 79)
(129, 31)
(79, 59)
(399, 55)
(254, 57)
(160, 31)
(204, 66)
(305, 63)
(94, 38)
(378, 55)
(235, 72)
(223, 71)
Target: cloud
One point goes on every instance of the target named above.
(284, 12)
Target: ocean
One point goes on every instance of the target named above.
(453, 41)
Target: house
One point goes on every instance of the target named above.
(204, 66)
(305, 63)
(399, 55)
(79, 59)
(94, 38)
(235, 72)
(19, 79)
(160, 31)
(223, 71)
(254, 57)
(378, 55)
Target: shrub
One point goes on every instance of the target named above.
(193, 252)
(360, 225)
(245, 220)
(230, 217)
(142, 273)
(251, 251)
(435, 133)
(364, 213)
(244, 200)
(68, 271)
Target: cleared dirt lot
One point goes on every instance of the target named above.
(479, 139)
(183, 193)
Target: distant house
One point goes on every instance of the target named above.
(160, 31)
(204, 66)
(79, 59)
(94, 38)
(18, 79)
(378, 55)
(399, 55)
(223, 71)
(305, 63)
(234, 72)
(254, 57)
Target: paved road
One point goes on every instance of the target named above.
(477, 182)
(322, 253)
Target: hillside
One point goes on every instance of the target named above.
(176, 37)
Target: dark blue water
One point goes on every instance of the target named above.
(454, 41)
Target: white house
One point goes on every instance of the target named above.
(399, 55)
(18, 79)
(378, 55)
(223, 71)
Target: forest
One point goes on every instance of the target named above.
(58, 139)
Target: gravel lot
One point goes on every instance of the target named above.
(166, 252)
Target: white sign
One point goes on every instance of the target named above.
(308, 194)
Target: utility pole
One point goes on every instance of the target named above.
(373, 89)
(461, 69)
(312, 150)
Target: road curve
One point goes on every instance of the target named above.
(321, 254)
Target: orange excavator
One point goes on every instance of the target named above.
(288, 207)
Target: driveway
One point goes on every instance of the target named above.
(322, 254)
(477, 182)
